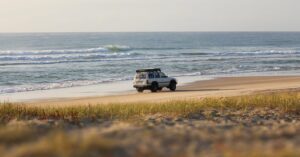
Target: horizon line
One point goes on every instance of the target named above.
(154, 32)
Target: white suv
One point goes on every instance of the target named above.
(153, 79)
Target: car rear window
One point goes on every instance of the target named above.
(140, 75)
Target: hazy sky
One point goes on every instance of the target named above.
(148, 15)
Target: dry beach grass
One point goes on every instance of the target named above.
(251, 125)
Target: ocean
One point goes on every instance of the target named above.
(44, 61)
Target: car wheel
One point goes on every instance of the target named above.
(172, 86)
(154, 87)
(140, 90)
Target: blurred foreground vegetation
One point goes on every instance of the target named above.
(252, 125)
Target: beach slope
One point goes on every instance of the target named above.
(219, 87)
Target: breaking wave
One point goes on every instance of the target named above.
(47, 86)
(259, 52)
(106, 48)
(63, 57)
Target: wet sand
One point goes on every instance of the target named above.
(225, 86)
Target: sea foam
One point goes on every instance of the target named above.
(106, 48)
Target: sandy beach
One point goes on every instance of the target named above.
(255, 116)
(218, 87)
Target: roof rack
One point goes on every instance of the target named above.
(148, 70)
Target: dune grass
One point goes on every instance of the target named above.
(285, 102)
(27, 130)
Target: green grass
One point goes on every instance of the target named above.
(286, 102)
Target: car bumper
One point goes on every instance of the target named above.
(141, 86)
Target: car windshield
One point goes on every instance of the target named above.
(163, 74)
(140, 75)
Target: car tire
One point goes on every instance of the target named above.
(140, 90)
(154, 87)
(172, 86)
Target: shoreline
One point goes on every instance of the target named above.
(217, 87)
(114, 88)
(97, 90)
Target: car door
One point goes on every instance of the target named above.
(164, 79)
(157, 78)
(151, 77)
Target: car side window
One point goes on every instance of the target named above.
(156, 75)
(150, 75)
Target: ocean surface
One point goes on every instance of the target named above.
(43, 61)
